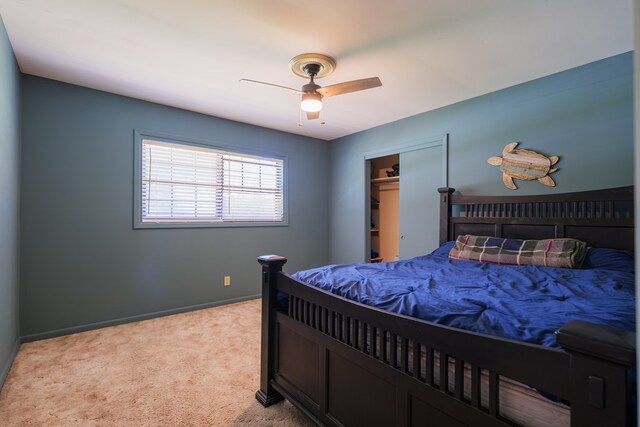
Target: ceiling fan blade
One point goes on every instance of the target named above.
(352, 86)
(290, 89)
(313, 115)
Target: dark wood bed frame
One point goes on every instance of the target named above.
(334, 358)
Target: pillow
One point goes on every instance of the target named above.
(610, 259)
(565, 253)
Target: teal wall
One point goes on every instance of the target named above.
(83, 265)
(584, 115)
(9, 202)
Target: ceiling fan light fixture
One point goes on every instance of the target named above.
(311, 102)
(313, 66)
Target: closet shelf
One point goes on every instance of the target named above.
(387, 180)
(379, 259)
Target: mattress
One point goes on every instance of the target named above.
(523, 303)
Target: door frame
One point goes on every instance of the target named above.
(405, 147)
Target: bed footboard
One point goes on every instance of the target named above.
(271, 265)
(602, 391)
(343, 363)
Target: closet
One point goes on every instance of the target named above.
(401, 201)
(385, 199)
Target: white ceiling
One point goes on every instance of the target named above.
(428, 53)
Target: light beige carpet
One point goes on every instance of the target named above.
(193, 369)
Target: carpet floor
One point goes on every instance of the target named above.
(193, 369)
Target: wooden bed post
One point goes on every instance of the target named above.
(445, 212)
(602, 359)
(271, 265)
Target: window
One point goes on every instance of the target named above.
(183, 184)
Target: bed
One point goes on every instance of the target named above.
(343, 362)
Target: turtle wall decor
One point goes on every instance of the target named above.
(524, 164)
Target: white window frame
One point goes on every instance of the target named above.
(140, 136)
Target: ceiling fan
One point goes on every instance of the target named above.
(314, 66)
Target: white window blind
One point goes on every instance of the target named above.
(187, 183)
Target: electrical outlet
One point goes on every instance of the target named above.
(227, 280)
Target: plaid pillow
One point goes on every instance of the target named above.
(566, 253)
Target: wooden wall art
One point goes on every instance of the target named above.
(524, 164)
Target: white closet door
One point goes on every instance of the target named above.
(421, 173)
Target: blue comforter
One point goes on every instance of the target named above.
(525, 303)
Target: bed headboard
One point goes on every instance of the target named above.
(602, 218)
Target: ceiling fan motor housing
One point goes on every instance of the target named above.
(310, 87)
